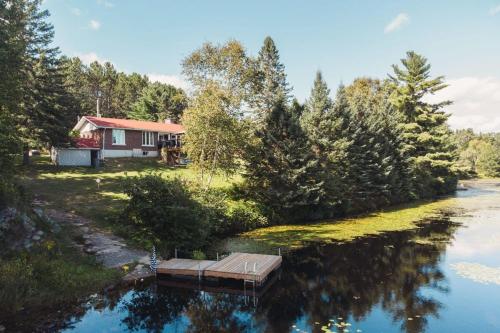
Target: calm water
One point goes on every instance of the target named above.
(443, 277)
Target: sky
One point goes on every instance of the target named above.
(344, 39)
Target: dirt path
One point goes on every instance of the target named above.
(109, 249)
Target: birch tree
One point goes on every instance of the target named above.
(213, 137)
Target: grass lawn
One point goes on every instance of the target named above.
(75, 189)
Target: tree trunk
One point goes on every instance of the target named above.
(26, 156)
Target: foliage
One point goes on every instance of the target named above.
(120, 95)
(397, 218)
(425, 132)
(280, 169)
(226, 66)
(478, 154)
(165, 210)
(175, 214)
(199, 255)
(269, 84)
(159, 102)
(213, 137)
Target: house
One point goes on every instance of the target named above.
(101, 138)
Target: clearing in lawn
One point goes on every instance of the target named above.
(74, 189)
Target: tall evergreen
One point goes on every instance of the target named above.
(281, 169)
(37, 106)
(158, 102)
(427, 137)
(269, 85)
(325, 125)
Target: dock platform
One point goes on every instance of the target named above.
(185, 267)
(239, 266)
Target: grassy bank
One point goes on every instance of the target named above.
(74, 189)
(51, 274)
(402, 217)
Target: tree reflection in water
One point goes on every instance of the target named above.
(318, 283)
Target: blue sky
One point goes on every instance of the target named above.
(344, 39)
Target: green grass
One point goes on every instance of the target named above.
(403, 217)
(51, 274)
(75, 189)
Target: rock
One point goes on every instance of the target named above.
(39, 212)
(39, 233)
(84, 229)
(36, 238)
(7, 214)
(2, 328)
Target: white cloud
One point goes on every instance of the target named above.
(174, 80)
(399, 21)
(105, 3)
(94, 25)
(495, 10)
(76, 11)
(88, 58)
(476, 103)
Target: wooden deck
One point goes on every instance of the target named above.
(239, 266)
(233, 266)
(186, 267)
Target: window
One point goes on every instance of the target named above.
(118, 137)
(148, 139)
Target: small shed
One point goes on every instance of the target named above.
(83, 152)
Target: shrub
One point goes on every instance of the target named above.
(244, 216)
(165, 210)
(227, 215)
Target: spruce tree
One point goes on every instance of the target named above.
(280, 170)
(269, 84)
(326, 128)
(426, 134)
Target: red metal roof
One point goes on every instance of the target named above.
(88, 143)
(135, 125)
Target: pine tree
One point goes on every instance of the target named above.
(158, 102)
(41, 110)
(425, 131)
(269, 84)
(281, 168)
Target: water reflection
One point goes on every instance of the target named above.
(317, 283)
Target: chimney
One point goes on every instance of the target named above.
(98, 112)
(168, 121)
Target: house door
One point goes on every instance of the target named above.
(94, 159)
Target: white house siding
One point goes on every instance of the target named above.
(88, 127)
(72, 157)
(112, 153)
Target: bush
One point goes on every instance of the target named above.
(228, 216)
(12, 194)
(244, 216)
(164, 210)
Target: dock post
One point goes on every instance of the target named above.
(217, 256)
(279, 251)
(175, 253)
(199, 271)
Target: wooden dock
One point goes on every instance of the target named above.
(238, 266)
(185, 267)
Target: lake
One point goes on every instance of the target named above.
(441, 277)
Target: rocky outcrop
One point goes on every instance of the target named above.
(21, 230)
